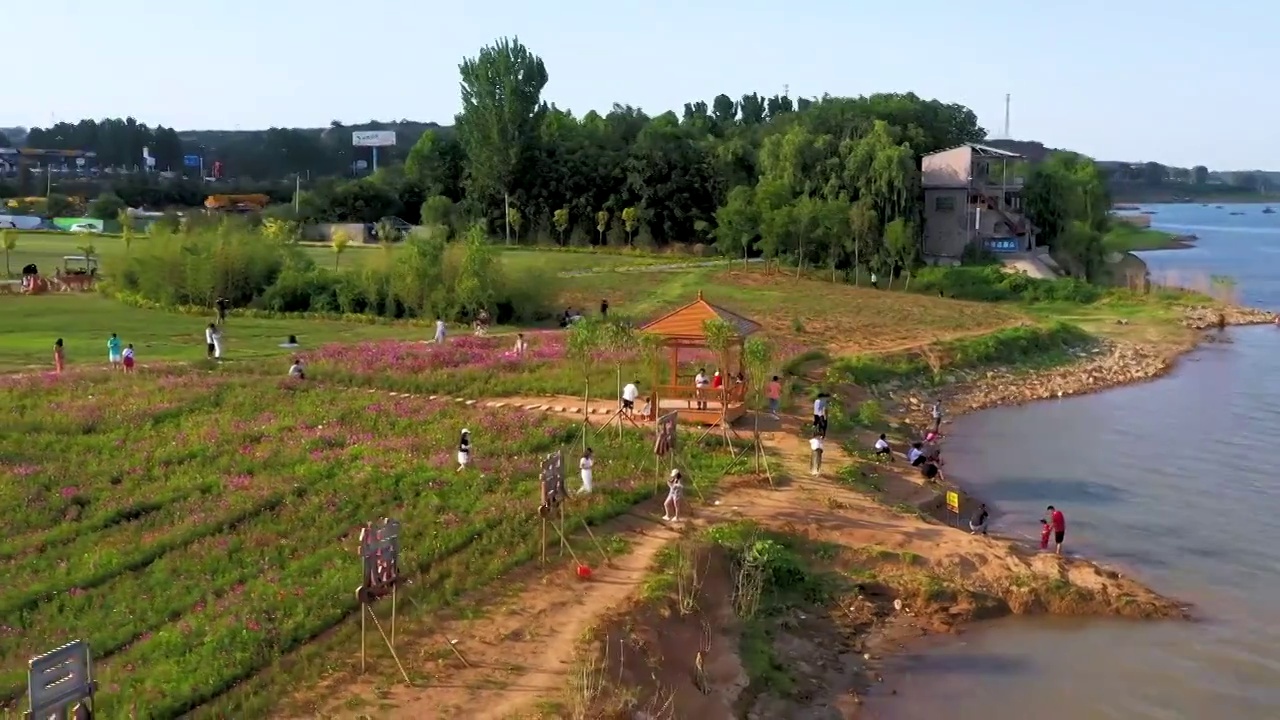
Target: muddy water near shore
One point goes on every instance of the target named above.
(1169, 481)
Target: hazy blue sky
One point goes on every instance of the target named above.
(1175, 81)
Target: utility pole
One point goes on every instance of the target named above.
(506, 214)
(1007, 136)
(297, 191)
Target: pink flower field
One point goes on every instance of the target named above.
(195, 527)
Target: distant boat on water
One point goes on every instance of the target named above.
(1268, 211)
(1148, 212)
(1219, 207)
(1237, 213)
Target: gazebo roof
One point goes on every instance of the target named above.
(686, 323)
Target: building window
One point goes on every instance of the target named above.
(944, 203)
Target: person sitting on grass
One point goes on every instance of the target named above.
(915, 455)
(295, 370)
(521, 345)
(882, 447)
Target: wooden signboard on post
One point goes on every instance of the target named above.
(380, 573)
(953, 504)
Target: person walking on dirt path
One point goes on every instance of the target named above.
(1058, 522)
(820, 414)
(815, 455)
(774, 392)
(978, 523)
(875, 281)
(59, 357)
(675, 491)
(587, 462)
(222, 304)
(113, 351)
(936, 412)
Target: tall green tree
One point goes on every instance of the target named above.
(502, 111)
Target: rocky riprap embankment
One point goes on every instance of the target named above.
(1106, 365)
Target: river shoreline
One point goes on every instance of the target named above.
(1112, 364)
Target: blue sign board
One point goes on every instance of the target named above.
(191, 160)
(1002, 244)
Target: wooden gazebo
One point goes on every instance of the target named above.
(684, 329)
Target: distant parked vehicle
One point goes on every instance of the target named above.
(84, 228)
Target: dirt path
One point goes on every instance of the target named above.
(519, 650)
(521, 646)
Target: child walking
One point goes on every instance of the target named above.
(675, 491)
(815, 455)
(59, 359)
(128, 358)
(464, 450)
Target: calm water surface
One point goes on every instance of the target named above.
(1170, 480)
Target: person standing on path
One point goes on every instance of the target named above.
(113, 351)
(629, 395)
(936, 412)
(815, 455)
(1059, 524)
(700, 388)
(978, 523)
(820, 414)
(439, 339)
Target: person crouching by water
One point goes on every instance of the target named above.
(675, 491)
(295, 370)
(978, 523)
(464, 450)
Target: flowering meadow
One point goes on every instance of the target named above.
(197, 527)
(470, 366)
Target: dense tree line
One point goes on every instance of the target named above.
(827, 182)
(259, 155)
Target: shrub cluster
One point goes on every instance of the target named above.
(424, 277)
(990, 283)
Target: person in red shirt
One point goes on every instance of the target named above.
(1059, 524)
(1045, 531)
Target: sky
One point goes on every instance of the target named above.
(1170, 81)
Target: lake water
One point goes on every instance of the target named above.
(1168, 480)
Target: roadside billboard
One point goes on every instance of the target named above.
(373, 138)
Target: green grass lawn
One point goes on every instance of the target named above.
(1123, 237)
(85, 321)
(47, 250)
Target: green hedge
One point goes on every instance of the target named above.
(993, 284)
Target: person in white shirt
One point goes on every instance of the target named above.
(936, 413)
(675, 491)
(464, 450)
(439, 330)
(915, 455)
(521, 345)
(882, 447)
(700, 383)
(815, 455)
(584, 467)
(213, 341)
(208, 340)
(295, 370)
(629, 394)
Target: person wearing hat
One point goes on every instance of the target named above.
(464, 450)
(675, 490)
